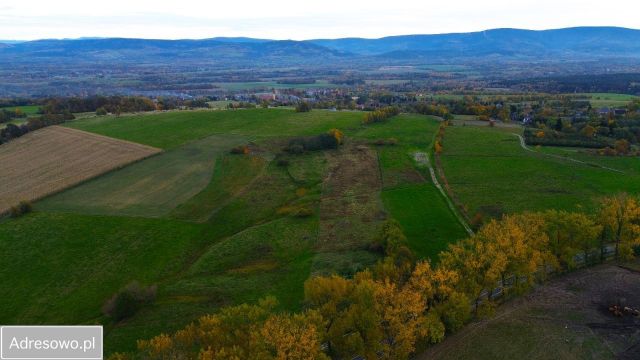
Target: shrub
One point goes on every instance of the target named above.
(303, 212)
(101, 111)
(330, 140)
(243, 149)
(636, 250)
(282, 162)
(24, 207)
(383, 142)
(390, 239)
(303, 107)
(295, 148)
(129, 300)
(338, 135)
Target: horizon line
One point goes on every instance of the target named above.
(319, 38)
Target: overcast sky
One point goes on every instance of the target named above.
(300, 19)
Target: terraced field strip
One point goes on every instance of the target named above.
(55, 158)
(350, 210)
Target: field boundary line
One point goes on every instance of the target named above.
(523, 145)
(237, 194)
(135, 152)
(450, 204)
(427, 161)
(71, 130)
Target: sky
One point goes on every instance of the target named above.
(299, 19)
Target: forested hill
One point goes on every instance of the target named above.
(580, 43)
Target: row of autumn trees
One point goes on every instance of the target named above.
(381, 114)
(402, 305)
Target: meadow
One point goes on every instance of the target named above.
(608, 99)
(149, 188)
(29, 110)
(212, 228)
(490, 174)
(55, 158)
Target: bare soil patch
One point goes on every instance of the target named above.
(55, 158)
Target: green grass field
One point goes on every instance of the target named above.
(425, 218)
(172, 129)
(609, 99)
(150, 188)
(489, 171)
(28, 109)
(211, 228)
(60, 268)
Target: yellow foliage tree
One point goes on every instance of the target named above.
(437, 147)
(294, 337)
(338, 135)
(401, 311)
(620, 215)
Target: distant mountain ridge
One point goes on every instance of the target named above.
(597, 40)
(578, 43)
(611, 40)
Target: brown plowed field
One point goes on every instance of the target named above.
(55, 158)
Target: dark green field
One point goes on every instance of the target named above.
(213, 228)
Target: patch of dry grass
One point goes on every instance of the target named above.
(55, 158)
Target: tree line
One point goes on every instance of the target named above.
(12, 131)
(8, 115)
(402, 305)
(380, 115)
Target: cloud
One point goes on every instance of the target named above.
(284, 19)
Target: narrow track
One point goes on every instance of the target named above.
(525, 147)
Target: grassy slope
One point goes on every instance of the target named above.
(59, 268)
(171, 129)
(609, 99)
(150, 188)
(425, 218)
(251, 250)
(487, 167)
(408, 195)
(246, 246)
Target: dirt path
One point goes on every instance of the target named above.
(422, 158)
(525, 147)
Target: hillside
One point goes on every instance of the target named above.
(165, 51)
(572, 43)
(569, 42)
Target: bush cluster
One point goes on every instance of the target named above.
(303, 106)
(24, 207)
(129, 300)
(385, 142)
(242, 149)
(12, 131)
(330, 140)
